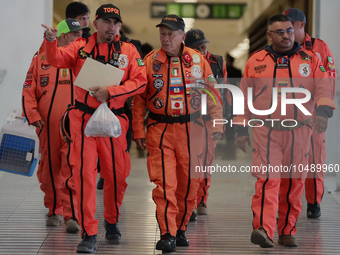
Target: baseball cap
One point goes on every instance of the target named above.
(295, 14)
(194, 38)
(107, 11)
(70, 25)
(173, 22)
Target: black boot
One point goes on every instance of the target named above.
(167, 243)
(88, 244)
(100, 183)
(181, 239)
(112, 233)
(313, 210)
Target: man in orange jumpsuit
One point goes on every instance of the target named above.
(317, 151)
(46, 94)
(195, 39)
(104, 46)
(281, 147)
(175, 129)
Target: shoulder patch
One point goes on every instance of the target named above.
(82, 54)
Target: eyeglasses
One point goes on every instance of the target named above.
(281, 32)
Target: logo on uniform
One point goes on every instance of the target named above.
(330, 59)
(158, 103)
(156, 66)
(195, 102)
(44, 81)
(196, 71)
(196, 59)
(123, 61)
(45, 66)
(259, 69)
(64, 73)
(304, 70)
(140, 62)
(175, 71)
(158, 83)
(27, 84)
(82, 54)
(319, 55)
(175, 61)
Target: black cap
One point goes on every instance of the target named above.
(107, 11)
(295, 14)
(194, 38)
(173, 22)
(75, 9)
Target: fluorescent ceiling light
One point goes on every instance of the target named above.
(186, 1)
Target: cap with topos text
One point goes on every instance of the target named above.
(107, 11)
(173, 22)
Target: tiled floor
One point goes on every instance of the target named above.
(226, 229)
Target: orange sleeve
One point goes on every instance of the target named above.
(137, 78)
(62, 57)
(29, 100)
(215, 109)
(323, 92)
(328, 62)
(138, 107)
(246, 82)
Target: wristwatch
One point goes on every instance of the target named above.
(50, 39)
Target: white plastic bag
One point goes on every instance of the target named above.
(103, 123)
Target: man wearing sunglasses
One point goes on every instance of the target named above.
(317, 151)
(281, 139)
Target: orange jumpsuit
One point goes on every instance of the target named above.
(175, 131)
(113, 154)
(280, 190)
(220, 74)
(317, 151)
(46, 94)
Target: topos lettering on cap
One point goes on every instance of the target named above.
(173, 22)
(107, 11)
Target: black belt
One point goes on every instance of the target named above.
(90, 110)
(170, 120)
(206, 117)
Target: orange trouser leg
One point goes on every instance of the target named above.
(292, 184)
(49, 169)
(209, 157)
(187, 179)
(279, 149)
(83, 159)
(68, 190)
(169, 168)
(115, 167)
(314, 187)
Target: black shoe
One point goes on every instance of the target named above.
(193, 216)
(167, 243)
(112, 233)
(181, 239)
(100, 183)
(313, 210)
(88, 244)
